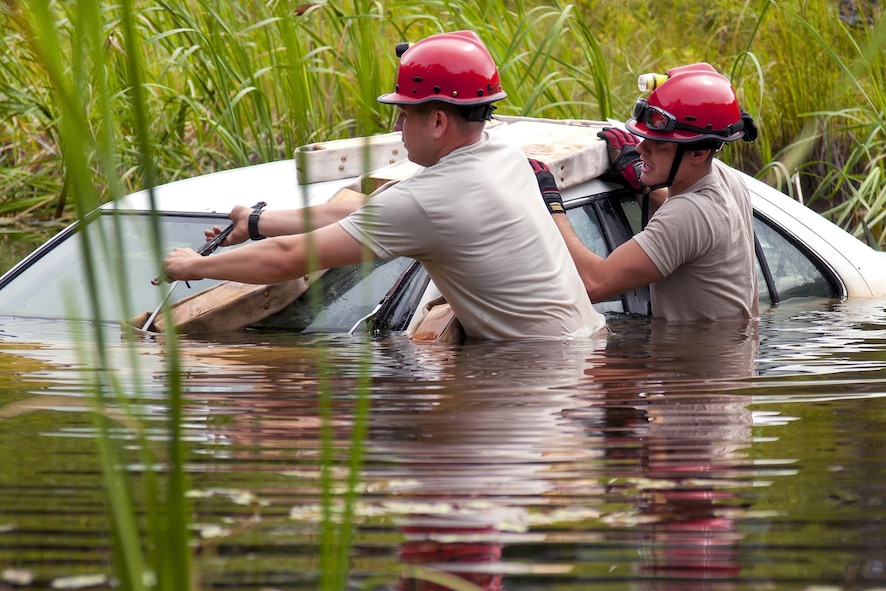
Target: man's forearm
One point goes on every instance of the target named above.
(627, 267)
(268, 261)
(299, 221)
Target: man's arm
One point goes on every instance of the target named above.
(286, 222)
(626, 268)
(299, 221)
(273, 260)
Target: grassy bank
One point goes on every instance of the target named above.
(228, 84)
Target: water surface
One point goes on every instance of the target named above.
(660, 457)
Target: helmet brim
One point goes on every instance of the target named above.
(396, 98)
(676, 136)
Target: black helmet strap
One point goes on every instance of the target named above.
(678, 158)
(477, 112)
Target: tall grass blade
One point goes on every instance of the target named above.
(78, 143)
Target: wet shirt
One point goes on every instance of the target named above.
(702, 241)
(477, 224)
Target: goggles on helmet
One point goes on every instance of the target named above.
(657, 119)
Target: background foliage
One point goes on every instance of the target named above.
(99, 99)
(228, 84)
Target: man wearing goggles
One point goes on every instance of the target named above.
(697, 250)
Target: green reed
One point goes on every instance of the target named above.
(100, 99)
(84, 92)
(229, 84)
(858, 171)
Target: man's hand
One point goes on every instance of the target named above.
(179, 264)
(548, 186)
(624, 158)
(240, 216)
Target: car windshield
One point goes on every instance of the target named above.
(341, 297)
(52, 282)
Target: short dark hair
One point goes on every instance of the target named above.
(708, 144)
(461, 115)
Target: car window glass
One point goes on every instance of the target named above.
(340, 298)
(587, 226)
(793, 273)
(589, 229)
(633, 213)
(55, 285)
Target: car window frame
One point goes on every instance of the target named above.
(617, 229)
(821, 265)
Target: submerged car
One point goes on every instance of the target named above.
(800, 254)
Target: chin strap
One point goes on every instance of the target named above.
(644, 204)
(678, 158)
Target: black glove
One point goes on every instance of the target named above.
(624, 158)
(548, 186)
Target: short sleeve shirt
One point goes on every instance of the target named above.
(702, 241)
(477, 223)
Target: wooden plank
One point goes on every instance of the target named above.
(232, 306)
(347, 158)
(573, 152)
(440, 326)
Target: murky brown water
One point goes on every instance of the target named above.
(662, 457)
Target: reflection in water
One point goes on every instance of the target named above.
(661, 457)
(676, 439)
(493, 433)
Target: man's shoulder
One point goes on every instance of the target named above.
(727, 174)
(721, 177)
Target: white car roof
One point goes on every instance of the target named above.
(276, 183)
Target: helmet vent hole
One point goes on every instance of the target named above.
(418, 79)
(480, 92)
(437, 89)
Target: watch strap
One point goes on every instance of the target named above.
(253, 225)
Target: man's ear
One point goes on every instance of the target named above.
(441, 122)
(699, 156)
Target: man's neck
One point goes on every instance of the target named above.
(683, 182)
(456, 142)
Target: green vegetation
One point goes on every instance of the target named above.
(100, 99)
(232, 83)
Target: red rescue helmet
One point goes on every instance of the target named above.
(454, 68)
(694, 103)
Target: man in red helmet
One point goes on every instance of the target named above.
(471, 215)
(697, 251)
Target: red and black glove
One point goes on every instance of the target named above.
(624, 158)
(548, 186)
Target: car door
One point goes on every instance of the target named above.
(604, 221)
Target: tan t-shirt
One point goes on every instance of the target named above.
(702, 241)
(476, 222)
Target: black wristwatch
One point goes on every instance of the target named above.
(253, 224)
